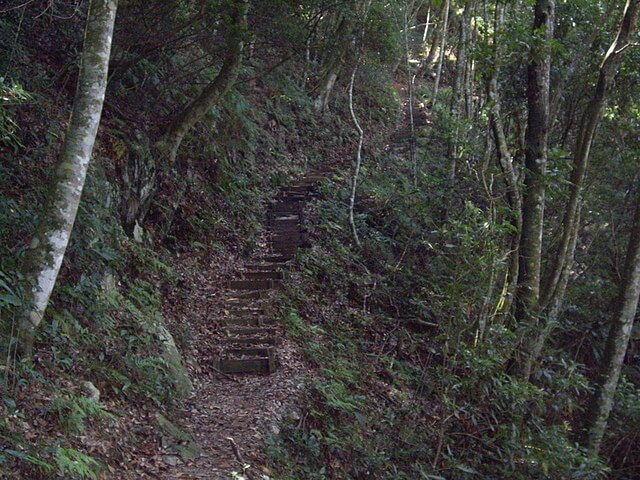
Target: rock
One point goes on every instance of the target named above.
(91, 391)
(170, 354)
(171, 460)
(177, 440)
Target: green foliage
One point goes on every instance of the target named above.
(76, 465)
(11, 95)
(72, 412)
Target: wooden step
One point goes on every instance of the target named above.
(237, 331)
(249, 321)
(263, 275)
(285, 230)
(288, 237)
(278, 258)
(260, 352)
(246, 365)
(241, 341)
(241, 298)
(243, 321)
(286, 217)
(263, 267)
(248, 310)
(250, 284)
(285, 222)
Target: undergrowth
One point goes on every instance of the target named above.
(408, 343)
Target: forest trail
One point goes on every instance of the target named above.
(247, 375)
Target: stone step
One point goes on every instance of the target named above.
(250, 284)
(247, 365)
(263, 275)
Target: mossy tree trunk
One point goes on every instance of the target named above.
(44, 257)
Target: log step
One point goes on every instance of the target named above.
(278, 258)
(244, 321)
(250, 284)
(240, 331)
(261, 352)
(246, 365)
(240, 341)
(263, 267)
(263, 275)
(241, 298)
(248, 310)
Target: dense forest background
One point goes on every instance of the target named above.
(466, 308)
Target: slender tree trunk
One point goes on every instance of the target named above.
(586, 135)
(142, 177)
(443, 43)
(555, 307)
(505, 160)
(198, 108)
(44, 257)
(356, 123)
(533, 201)
(335, 64)
(410, 97)
(617, 343)
(458, 99)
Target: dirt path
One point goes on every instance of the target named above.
(229, 414)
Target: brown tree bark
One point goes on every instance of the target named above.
(533, 200)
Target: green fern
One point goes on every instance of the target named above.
(77, 464)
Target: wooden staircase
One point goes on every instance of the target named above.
(251, 340)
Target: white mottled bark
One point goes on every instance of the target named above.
(44, 257)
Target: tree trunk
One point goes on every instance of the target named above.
(198, 108)
(410, 97)
(530, 251)
(586, 134)
(335, 64)
(356, 123)
(505, 160)
(44, 257)
(443, 43)
(141, 177)
(617, 343)
(458, 98)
